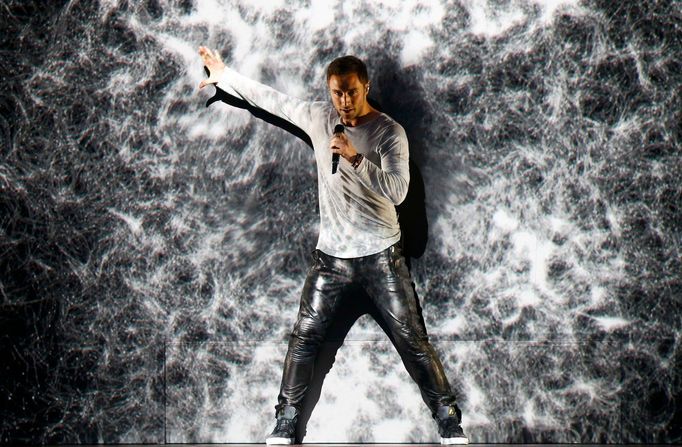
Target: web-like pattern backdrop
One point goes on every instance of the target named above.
(152, 250)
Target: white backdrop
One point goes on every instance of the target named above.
(545, 133)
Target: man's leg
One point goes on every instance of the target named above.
(388, 283)
(322, 293)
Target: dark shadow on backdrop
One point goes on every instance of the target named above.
(221, 95)
(405, 108)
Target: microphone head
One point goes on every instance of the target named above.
(339, 128)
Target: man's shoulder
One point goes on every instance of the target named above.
(385, 124)
(321, 107)
(322, 111)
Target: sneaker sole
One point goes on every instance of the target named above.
(454, 441)
(279, 441)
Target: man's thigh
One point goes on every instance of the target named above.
(390, 287)
(322, 294)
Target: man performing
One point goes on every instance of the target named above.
(363, 173)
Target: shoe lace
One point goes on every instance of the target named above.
(450, 426)
(285, 424)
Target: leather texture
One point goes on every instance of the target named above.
(385, 280)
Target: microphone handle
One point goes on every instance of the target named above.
(338, 129)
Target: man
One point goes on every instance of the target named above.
(358, 245)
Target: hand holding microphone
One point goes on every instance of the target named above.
(340, 145)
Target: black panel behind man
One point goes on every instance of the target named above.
(358, 244)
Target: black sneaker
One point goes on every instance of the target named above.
(450, 431)
(285, 430)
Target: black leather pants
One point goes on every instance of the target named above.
(385, 280)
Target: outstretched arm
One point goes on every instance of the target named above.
(293, 110)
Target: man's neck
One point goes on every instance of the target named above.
(369, 116)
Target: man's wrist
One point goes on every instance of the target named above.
(355, 160)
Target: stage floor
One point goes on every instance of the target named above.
(373, 444)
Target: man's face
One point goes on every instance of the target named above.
(349, 96)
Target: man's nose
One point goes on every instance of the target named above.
(345, 99)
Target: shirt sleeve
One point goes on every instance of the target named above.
(293, 110)
(392, 178)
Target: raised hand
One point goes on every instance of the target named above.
(214, 63)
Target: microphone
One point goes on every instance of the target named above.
(338, 129)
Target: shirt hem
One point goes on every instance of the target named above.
(353, 255)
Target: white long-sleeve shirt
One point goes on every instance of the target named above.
(357, 206)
